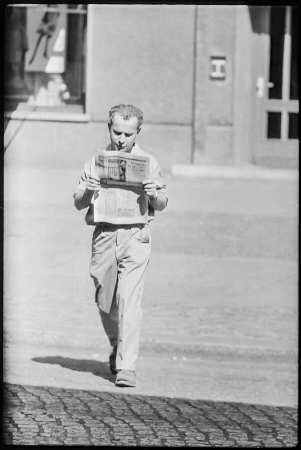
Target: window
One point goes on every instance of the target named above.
(283, 124)
(44, 55)
(274, 125)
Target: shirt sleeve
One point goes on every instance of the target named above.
(156, 174)
(82, 196)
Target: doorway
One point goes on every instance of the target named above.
(275, 76)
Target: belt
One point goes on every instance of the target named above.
(113, 226)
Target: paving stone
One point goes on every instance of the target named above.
(125, 420)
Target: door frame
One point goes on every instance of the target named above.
(282, 153)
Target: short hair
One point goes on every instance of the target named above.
(126, 112)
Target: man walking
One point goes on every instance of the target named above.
(121, 251)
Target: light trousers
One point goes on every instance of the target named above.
(120, 256)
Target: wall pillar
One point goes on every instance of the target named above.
(214, 97)
(243, 88)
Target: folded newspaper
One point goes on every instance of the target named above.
(121, 199)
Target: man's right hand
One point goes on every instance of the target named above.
(92, 184)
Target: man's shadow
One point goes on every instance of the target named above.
(98, 368)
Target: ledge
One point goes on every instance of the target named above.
(240, 172)
(49, 116)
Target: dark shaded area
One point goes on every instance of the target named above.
(274, 125)
(75, 56)
(46, 415)
(277, 29)
(293, 125)
(258, 20)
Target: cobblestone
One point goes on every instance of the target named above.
(69, 416)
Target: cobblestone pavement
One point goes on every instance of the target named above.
(44, 415)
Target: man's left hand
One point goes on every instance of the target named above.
(150, 188)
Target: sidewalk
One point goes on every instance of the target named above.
(240, 172)
(220, 303)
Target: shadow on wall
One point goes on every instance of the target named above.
(11, 136)
(6, 122)
(10, 139)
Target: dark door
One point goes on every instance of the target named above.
(276, 106)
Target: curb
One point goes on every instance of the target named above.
(176, 351)
(247, 172)
(219, 352)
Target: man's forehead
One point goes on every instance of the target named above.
(119, 121)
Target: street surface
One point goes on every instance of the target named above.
(218, 361)
(44, 415)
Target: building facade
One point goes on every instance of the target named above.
(218, 84)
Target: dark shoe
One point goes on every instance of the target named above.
(112, 360)
(126, 378)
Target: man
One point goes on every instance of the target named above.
(121, 252)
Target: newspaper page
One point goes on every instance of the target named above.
(122, 168)
(121, 199)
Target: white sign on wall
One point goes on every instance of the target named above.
(218, 67)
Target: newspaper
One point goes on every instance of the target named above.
(121, 199)
(122, 168)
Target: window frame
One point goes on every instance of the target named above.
(75, 111)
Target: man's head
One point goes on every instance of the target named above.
(124, 124)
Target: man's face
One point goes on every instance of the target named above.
(123, 133)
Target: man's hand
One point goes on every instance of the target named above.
(92, 184)
(150, 188)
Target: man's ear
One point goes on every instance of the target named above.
(138, 130)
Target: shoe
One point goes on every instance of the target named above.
(126, 378)
(112, 360)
